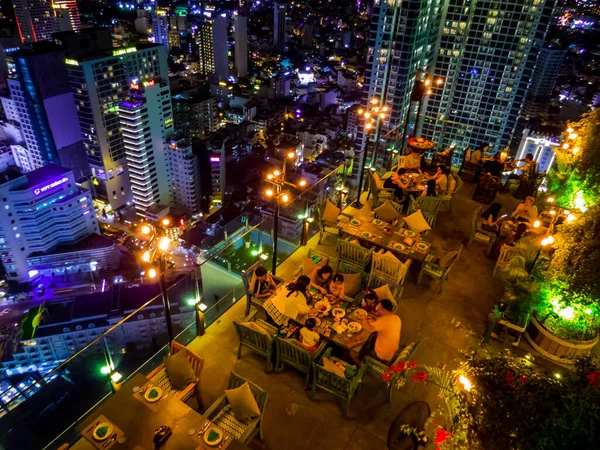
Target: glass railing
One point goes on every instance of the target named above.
(135, 340)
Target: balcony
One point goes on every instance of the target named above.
(444, 324)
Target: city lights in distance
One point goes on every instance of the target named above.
(565, 146)
(146, 229)
(374, 101)
(439, 81)
(571, 218)
(277, 173)
(573, 136)
(427, 82)
(536, 224)
(570, 130)
(270, 176)
(165, 222)
(285, 198)
(367, 115)
(291, 155)
(164, 243)
(146, 256)
(576, 150)
(302, 183)
(550, 199)
(152, 273)
(360, 111)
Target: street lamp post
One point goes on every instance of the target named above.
(374, 117)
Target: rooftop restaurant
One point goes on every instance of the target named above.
(449, 306)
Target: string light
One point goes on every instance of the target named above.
(270, 176)
(277, 173)
(166, 222)
(269, 193)
(302, 183)
(291, 155)
(285, 198)
(146, 229)
(152, 273)
(573, 136)
(536, 224)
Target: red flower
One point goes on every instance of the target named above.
(522, 378)
(420, 376)
(386, 376)
(411, 364)
(398, 367)
(440, 437)
(594, 378)
(509, 378)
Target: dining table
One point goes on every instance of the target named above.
(395, 238)
(135, 421)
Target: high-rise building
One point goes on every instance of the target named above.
(279, 26)
(45, 221)
(184, 175)
(160, 27)
(485, 58)
(308, 35)
(46, 109)
(67, 13)
(212, 46)
(35, 19)
(100, 81)
(146, 125)
(241, 43)
(195, 114)
(543, 80)
(402, 42)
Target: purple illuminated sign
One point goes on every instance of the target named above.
(41, 190)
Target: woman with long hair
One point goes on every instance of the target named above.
(289, 303)
(490, 219)
(320, 278)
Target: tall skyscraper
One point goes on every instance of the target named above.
(241, 43)
(160, 27)
(46, 109)
(401, 42)
(212, 46)
(100, 82)
(485, 59)
(146, 125)
(543, 81)
(279, 26)
(35, 20)
(67, 13)
(184, 176)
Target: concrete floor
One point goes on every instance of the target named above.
(445, 324)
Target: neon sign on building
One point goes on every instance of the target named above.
(41, 190)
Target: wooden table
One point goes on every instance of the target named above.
(385, 240)
(138, 422)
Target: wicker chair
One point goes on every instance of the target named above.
(377, 368)
(479, 234)
(257, 341)
(159, 376)
(221, 414)
(341, 387)
(291, 353)
(435, 270)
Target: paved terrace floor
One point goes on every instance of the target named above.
(445, 324)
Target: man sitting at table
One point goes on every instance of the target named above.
(388, 328)
(264, 286)
(395, 182)
(413, 161)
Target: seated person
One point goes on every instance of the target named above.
(320, 278)
(526, 211)
(289, 303)
(489, 218)
(440, 177)
(430, 189)
(264, 286)
(494, 167)
(516, 235)
(370, 302)
(388, 328)
(477, 155)
(336, 287)
(528, 170)
(413, 161)
(308, 337)
(395, 182)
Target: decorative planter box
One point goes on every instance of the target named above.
(509, 333)
(555, 348)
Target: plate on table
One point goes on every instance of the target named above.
(339, 327)
(355, 222)
(422, 246)
(153, 394)
(102, 431)
(409, 233)
(323, 306)
(366, 234)
(360, 314)
(213, 436)
(377, 222)
(399, 247)
(338, 312)
(354, 327)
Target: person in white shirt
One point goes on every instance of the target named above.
(289, 303)
(308, 337)
(440, 177)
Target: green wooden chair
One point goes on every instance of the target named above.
(247, 277)
(479, 234)
(330, 227)
(258, 341)
(439, 270)
(388, 267)
(377, 190)
(378, 368)
(353, 256)
(221, 414)
(290, 352)
(429, 207)
(341, 387)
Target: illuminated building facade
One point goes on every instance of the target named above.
(146, 125)
(212, 46)
(485, 58)
(38, 19)
(67, 14)
(241, 43)
(99, 83)
(279, 26)
(42, 211)
(184, 175)
(160, 27)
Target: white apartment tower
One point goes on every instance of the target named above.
(146, 125)
(212, 46)
(485, 58)
(100, 82)
(185, 176)
(160, 27)
(241, 43)
(279, 26)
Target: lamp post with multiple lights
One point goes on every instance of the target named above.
(278, 183)
(153, 257)
(373, 119)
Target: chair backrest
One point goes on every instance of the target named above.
(507, 252)
(401, 162)
(252, 338)
(353, 253)
(388, 267)
(455, 258)
(293, 354)
(459, 183)
(428, 205)
(476, 220)
(247, 276)
(340, 386)
(196, 361)
(260, 395)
